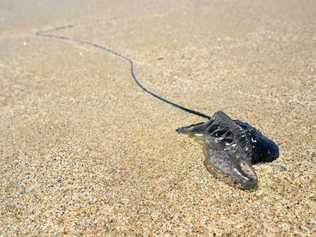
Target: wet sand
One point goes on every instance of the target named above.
(83, 151)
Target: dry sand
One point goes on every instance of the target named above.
(83, 151)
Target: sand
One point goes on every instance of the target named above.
(83, 151)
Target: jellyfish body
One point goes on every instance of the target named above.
(231, 147)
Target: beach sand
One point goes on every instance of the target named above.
(83, 151)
